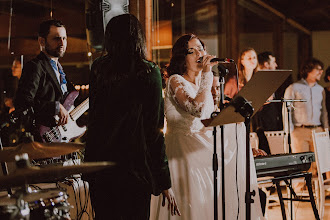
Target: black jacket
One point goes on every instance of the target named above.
(39, 88)
(125, 126)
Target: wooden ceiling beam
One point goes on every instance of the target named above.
(290, 21)
(318, 7)
(67, 5)
(257, 10)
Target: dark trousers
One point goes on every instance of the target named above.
(120, 197)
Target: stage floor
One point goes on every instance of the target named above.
(302, 211)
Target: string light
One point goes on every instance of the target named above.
(81, 87)
(51, 9)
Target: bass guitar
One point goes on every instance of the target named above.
(69, 131)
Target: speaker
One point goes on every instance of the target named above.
(98, 14)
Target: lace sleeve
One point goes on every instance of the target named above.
(192, 105)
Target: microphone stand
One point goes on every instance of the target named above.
(215, 170)
(289, 107)
(246, 110)
(223, 72)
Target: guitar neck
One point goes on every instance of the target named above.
(79, 110)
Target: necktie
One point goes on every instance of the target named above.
(60, 70)
(62, 75)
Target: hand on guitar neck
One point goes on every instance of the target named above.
(63, 116)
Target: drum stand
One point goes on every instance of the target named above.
(19, 117)
(4, 167)
(23, 210)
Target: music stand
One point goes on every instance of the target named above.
(256, 92)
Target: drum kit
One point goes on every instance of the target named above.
(45, 204)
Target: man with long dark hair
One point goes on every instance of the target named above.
(126, 118)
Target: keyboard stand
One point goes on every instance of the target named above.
(308, 178)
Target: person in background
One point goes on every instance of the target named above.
(267, 61)
(309, 115)
(327, 91)
(215, 90)
(269, 117)
(247, 66)
(126, 118)
(16, 71)
(327, 102)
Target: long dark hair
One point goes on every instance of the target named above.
(124, 49)
(179, 52)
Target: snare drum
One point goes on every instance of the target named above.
(43, 204)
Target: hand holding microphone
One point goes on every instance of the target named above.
(215, 59)
(222, 70)
(206, 62)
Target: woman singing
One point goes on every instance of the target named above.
(189, 144)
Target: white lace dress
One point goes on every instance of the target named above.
(189, 147)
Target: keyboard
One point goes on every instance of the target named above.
(283, 164)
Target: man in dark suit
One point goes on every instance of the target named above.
(43, 85)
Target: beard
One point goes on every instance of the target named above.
(54, 52)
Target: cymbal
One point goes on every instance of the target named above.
(32, 175)
(37, 150)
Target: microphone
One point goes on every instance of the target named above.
(220, 60)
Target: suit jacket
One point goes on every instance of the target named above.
(125, 124)
(39, 88)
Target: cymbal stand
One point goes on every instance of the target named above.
(15, 118)
(23, 210)
(5, 167)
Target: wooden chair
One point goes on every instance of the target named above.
(322, 154)
(254, 141)
(277, 142)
